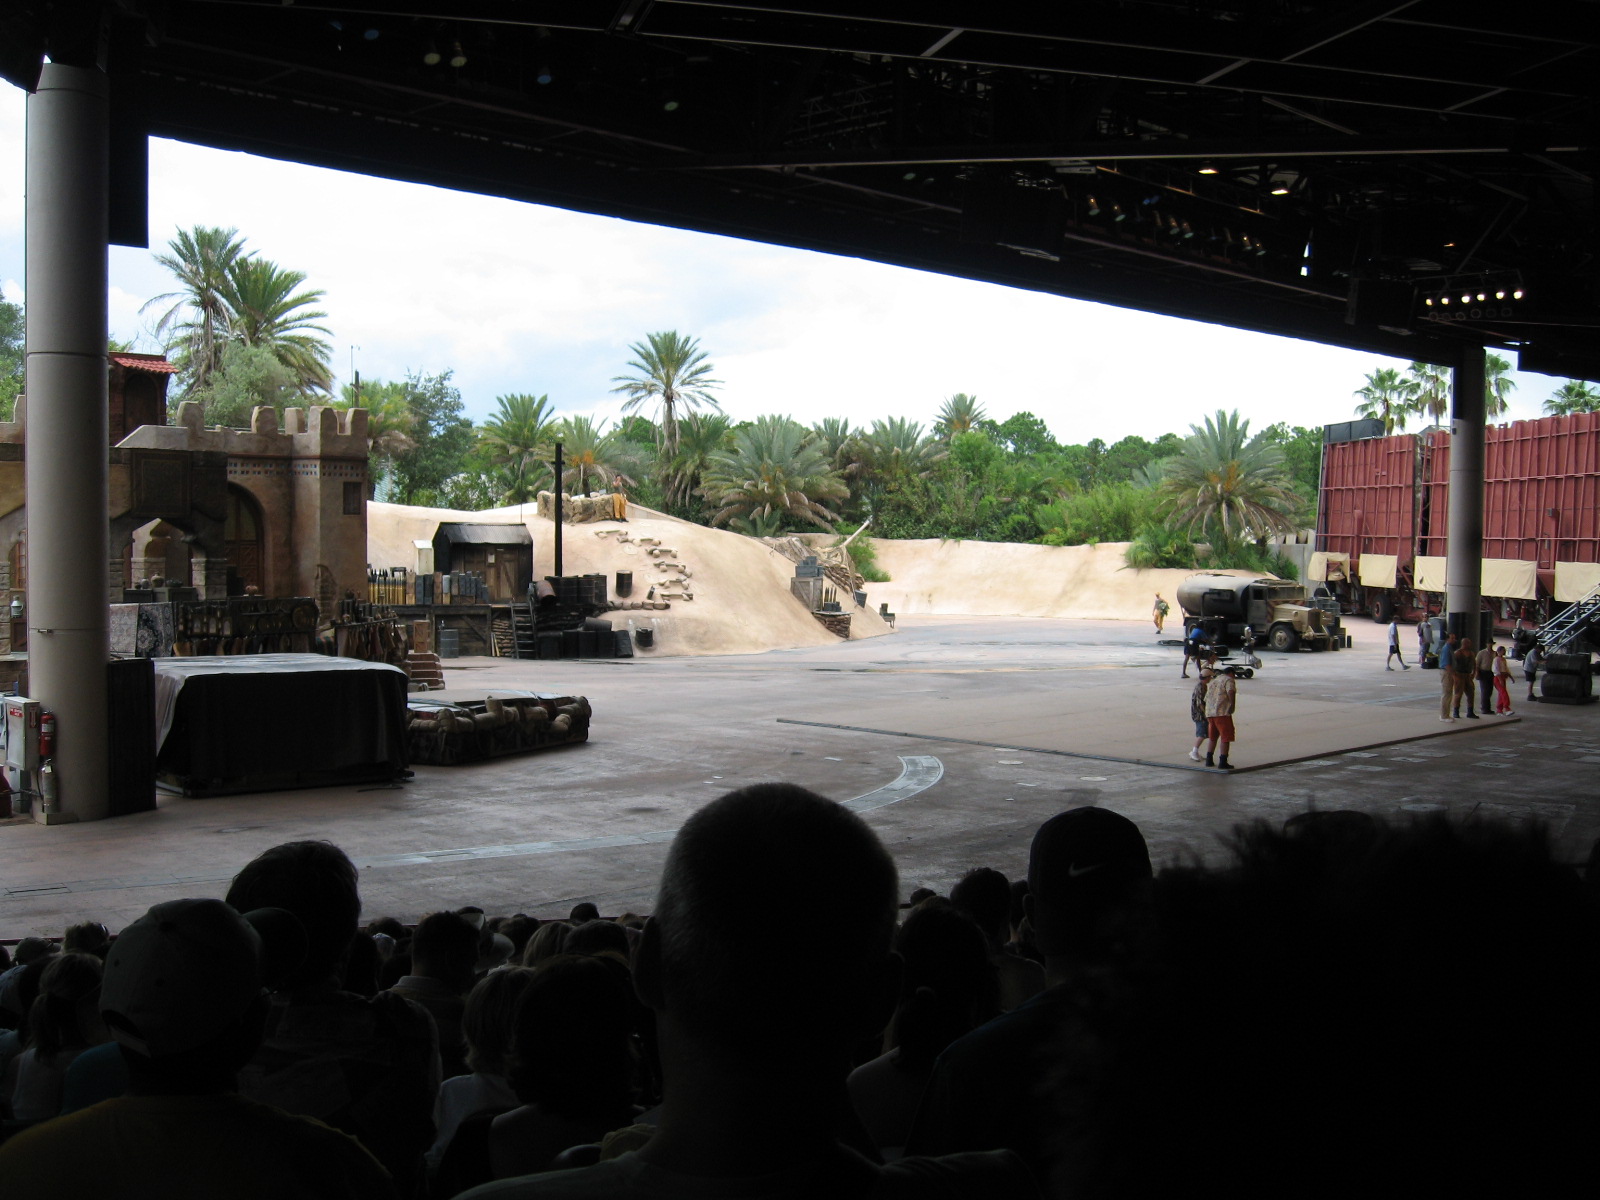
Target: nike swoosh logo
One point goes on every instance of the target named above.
(1074, 872)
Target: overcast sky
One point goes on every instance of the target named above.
(520, 298)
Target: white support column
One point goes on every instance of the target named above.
(68, 544)
(1464, 542)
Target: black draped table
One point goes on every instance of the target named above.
(266, 722)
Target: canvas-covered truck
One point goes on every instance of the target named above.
(1276, 610)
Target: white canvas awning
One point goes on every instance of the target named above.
(1325, 567)
(1429, 572)
(1377, 570)
(1512, 578)
(1575, 580)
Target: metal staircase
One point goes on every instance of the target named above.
(1557, 634)
(524, 630)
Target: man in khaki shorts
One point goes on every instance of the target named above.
(1220, 695)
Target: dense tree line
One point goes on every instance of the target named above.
(245, 332)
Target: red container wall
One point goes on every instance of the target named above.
(1368, 496)
(1530, 468)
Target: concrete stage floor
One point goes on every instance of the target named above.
(954, 736)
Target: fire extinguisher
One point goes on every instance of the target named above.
(49, 798)
(47, 734)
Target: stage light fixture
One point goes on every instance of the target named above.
(458, 56)
(670, 106)
(1207, 169)
(544, 76)
(370, 34)
(431, 55)
(1500, 295)
(1517, 294)
(1280, 190)
(1466, 299)
(1429, 301)
(1117, 214)
(1094, 207)
(1482, 297)
(1444, 300)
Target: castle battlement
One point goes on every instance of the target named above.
(318, 432)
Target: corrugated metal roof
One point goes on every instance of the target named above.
(457, 533)
(145, 362)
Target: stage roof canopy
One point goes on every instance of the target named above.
(1400, 177)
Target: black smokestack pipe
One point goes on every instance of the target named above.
(558, 510)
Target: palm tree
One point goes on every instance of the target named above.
(1229, 484)
(699, 437)
(891, 446)
(1497, 385)
(267, 311)
(1573, 396)
(961, 414)
(517, 439)
(1430, 394)
(773, 466)
(1385, 396)
(832, 433)
(389, 423)
(198, 323)
(671, 370)
(588, 451)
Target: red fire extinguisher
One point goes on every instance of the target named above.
(47, 734)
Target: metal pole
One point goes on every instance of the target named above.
(1464, 547)
(558, 510)
(68, 570)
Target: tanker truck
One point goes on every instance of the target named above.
(1275, 609)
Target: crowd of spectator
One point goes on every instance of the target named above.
(1345, 1006)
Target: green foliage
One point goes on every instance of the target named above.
(517, 442)
(1024, 433)
(1229, 484)
(268, 311)
(198, 322)
(864, 556)
(1160, 546)
(773, 466)
(388, 429)
(589, 456)
(671, 370)
(245, 377)
(961, 414)
(1430, 390)
(1387, 396)
(443, 437)
(700, 435)
(1302, 459)
(11, 356)
(1573, 396)
(1112, 512)
(1497, 385)
(1238, 554)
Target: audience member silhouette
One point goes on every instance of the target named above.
(487, 1024)
(1089, 905)
(368, 1066)
(63, 1022)
(984, 894)
(756, 1031)
(1407, 1012)
(444, 953)
(948, 989)
(548, 941)
(183, 997)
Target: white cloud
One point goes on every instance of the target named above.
(518, 298)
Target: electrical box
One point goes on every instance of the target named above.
(22, 751)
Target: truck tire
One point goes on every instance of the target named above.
(1380, 606)
(1283, 639)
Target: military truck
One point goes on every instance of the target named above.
(1276, 610)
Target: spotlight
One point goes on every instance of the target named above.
(1481, 297)
(909, 176)
(1280, 190)
(431, 55)
(670, 106)
(1429, 301)
(1117, 214)
(370, 34)
(1444, 300)
(1094, 207)
(1154, 198)
(1517, 294)
(1466, 299)
(1207, 169)
(1500, 295)
(543, 76)
(1188, 230)
(458, 56)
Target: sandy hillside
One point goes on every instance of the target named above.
(741, 604)
(969, 578)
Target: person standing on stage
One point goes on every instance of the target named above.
(1394, 647)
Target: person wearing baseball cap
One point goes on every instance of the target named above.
(184, 997)
(1089, 902)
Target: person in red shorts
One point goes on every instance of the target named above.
(1220, 694)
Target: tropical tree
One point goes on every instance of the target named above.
(517, 440)
(1573, 396)
(961, 414)
(1229, 484)
(389, 423)
(700, 435)
(1497, 385)
(832, 433)
(266, 309)
(198, 322)
(1430, 390)
(588, 452)
(1025, 433)
(672, 371)
(1386, 396)
(442, 435)
(247, 377)
(773, 466)
(11, 356)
